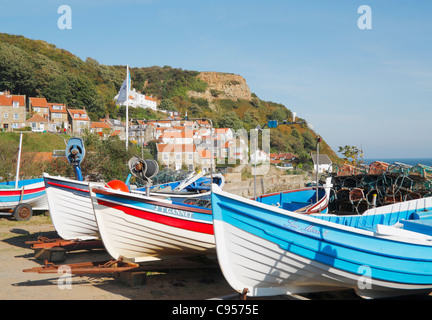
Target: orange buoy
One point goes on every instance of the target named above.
(118, 185)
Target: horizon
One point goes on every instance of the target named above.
(365, 87)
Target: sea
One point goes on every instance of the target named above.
(409, 161)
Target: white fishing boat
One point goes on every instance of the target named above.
(140, 228)
(70, 208)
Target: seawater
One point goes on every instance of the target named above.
(409, 161)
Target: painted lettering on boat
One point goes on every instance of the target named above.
(175, 212)
(294, 225)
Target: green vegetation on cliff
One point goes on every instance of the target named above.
(36, 68)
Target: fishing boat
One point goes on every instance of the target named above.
(194, 185)
(21, 197)
(69, 199)
(264, 250)
(70, 208)
(308, 200)
(142, 228)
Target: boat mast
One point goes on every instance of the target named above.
(18, 163)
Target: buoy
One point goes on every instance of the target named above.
(118, 185)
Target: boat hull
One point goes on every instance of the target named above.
(71, 208)
(140, 229)
(269, 251)
(31, 192)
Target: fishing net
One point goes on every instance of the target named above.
(359, 188)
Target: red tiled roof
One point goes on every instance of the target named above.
(176, 147)
(39, 102)
(37, 118)
(6, 100)
(116, 133)
(63, 110)
(204, 153)
(176, 134)
(99, 125)
(80, 112)
(221, 130)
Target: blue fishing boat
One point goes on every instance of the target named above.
(264, 250)
(20, 197)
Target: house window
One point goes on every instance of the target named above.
(57, 107)
(5, 115)
(165, 156)
(36, 109)
(15, 116)
(178, 156)
(56, 115)
(76, 116)
(83, 116)
(15, 104)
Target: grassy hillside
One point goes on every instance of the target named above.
(37, 68)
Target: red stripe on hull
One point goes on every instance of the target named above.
(18, 192)
(169, 221)
(66, 187)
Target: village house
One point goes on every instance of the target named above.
(224, 134)
(37, 123)
(118, 128)
(141, 132)
(259, 156)
(39, 106)
(283, 159)
(103, 129)
(324, 163)
(177, 155)
(12, 111)
(137, 99)
(78, 120)
(58, 115)
(174, 137)
(234, 149)
(205, 159)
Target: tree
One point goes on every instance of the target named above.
(351, 152)
(195, 110)
(168, 105)
(230, 120)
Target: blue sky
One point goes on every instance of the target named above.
(369, 88)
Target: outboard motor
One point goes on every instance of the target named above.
(75, 153)
(144, 170)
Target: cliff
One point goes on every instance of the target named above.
(222, 86)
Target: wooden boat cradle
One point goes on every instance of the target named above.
(112, 266)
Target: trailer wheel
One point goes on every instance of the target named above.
(22, 212)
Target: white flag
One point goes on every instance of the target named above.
(124, 89)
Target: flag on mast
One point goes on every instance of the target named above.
(123, 96)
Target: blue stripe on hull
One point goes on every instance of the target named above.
(26, 197)
(336, 246)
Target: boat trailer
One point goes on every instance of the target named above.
(110, 266)
(69, 245)
(130, 273)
